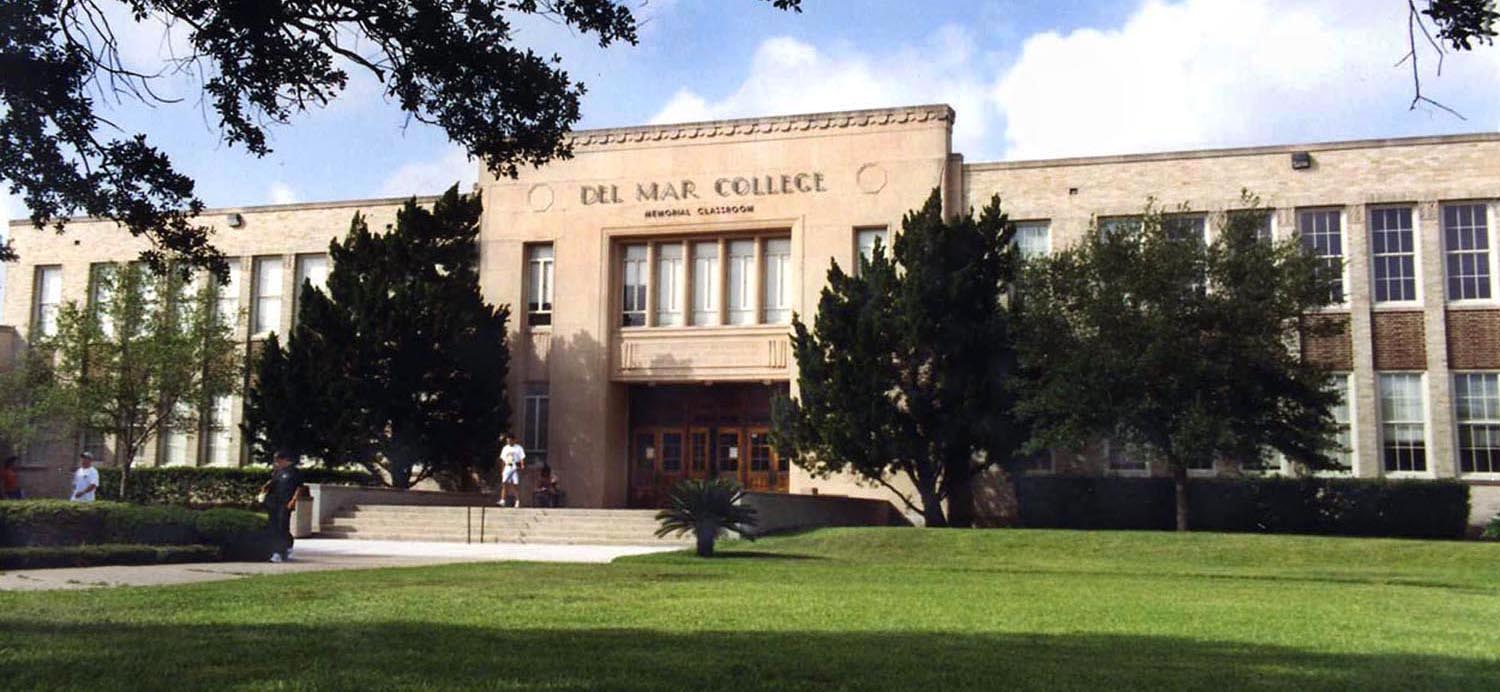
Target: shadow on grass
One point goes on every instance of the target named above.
(384, 655)
(761, 555)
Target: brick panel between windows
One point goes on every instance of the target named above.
(1398, 341)
(1326, 340)
(1474, 339)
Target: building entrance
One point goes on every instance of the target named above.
(686, 431)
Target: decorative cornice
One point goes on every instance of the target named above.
(748, 127)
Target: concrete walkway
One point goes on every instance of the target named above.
(317, 554)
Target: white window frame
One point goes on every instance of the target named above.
(1491, 216)
(98, 295)
(228, 298)
(1109, 467)
(742, 313)
(634, 297)
(1271, 226)
(776, 292)
(671, 274)
(174, 440)
(44, 313)
(1415, 254)
(541, 284)
(536, 418)
(219, 432)
(864, 244)
(1045, 226)
(259, 297)
(1343, 216)
(1425, 422)
(707, 296)
(1348, 426)
(1491, 418)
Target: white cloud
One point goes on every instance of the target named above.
(282, 193)
(790, 76)
(1203, 73)
(432, 176)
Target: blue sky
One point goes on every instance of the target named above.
(1030, 78)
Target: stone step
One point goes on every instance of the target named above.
(405, 510)
(597, 529)
(560, 539)
(503, 522)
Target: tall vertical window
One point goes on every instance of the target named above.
(778, 281)
(1262, 219)
(174, 442)
(1343, 418)
(534, 437)
(865, 240)
(220, 451)
(312, 269)
(1115, 225)
(228, 296)
(706, 283)
(1033, 239)
(1466, 241)
(101, 292)
(539, 268)
(1393, 254)
(634, 272)
(268, 280)
(669, 288)
(1476, 397)
(46, 300)
(1193, 227)
(1322, 233)
(1403, 423)
(741, 281)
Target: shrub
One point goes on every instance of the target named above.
(93, 555)
(1492, 531)
(1333, 506)
(239, 534)
(52, 523)
(209, 487)
(706, 508)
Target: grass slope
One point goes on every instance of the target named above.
(835, 609)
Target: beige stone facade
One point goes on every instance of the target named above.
(664, 262)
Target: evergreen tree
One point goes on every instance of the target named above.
(904, 372)
(1181, 351)
(400, 366)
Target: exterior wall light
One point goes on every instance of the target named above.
(1301, 160)
(234, 220)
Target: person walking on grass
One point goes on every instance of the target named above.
(281, 499)
(85, 479)
(512, 460)
(10, 481)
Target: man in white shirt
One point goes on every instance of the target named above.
(85, 479)
(512, 460)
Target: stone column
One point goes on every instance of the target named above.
(1440, 432)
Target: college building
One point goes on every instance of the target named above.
(653, 277)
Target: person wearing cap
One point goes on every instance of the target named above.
(281, 499)
(85, 479)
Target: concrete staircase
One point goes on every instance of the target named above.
(499, 525)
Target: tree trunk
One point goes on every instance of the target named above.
(1180, 491)
(961, 503)
(706, 535)
(932, 509)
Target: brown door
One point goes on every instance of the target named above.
(643, 454)
(760, 472)
(729, 452)
(671, 462)
(698, 460)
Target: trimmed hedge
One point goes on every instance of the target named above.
(1492, 531)
(1329, 506)
(93, 555)
(209, 487)
(239, 534)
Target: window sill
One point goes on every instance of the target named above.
(1408, 475)
(1398, 306)
(1473, 304)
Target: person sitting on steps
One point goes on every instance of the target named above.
(547, 493)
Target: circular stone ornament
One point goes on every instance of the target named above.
(871, 178)
(540, 197)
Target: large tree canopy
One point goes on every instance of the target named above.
(450, 63)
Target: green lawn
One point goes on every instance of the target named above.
(848, 608)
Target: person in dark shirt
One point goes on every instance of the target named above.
(281, 499)
(10, 482)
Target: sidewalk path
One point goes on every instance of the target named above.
(317, 554)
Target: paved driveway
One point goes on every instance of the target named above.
(316, 554)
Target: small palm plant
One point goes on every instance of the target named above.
(706, 507)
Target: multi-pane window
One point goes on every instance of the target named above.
(534, 433)
(540, 265)
(228, 296)
(634, 272)
(1403, 423)
(778, 281)
(1343, 418)
(1466, 242)
(1261, 219)
(312, 269)
(1119, 225)
(268, 279)
(1193, 227)
(1477, 400)
(669, 288)
(101, 292)
(741, 280)
(1322, 233)
(706, 283)
(1120, 461)
(1393, 254)
(865, 240)
(220, 442)
(47, 300)
(175, 441)
(1033, 240)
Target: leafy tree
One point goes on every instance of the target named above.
(1459, 25)
(400, 366)
(145, 357)
(707, 508)
(1176, 349)
(450, 63)
(904, 371)
(27, 413)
